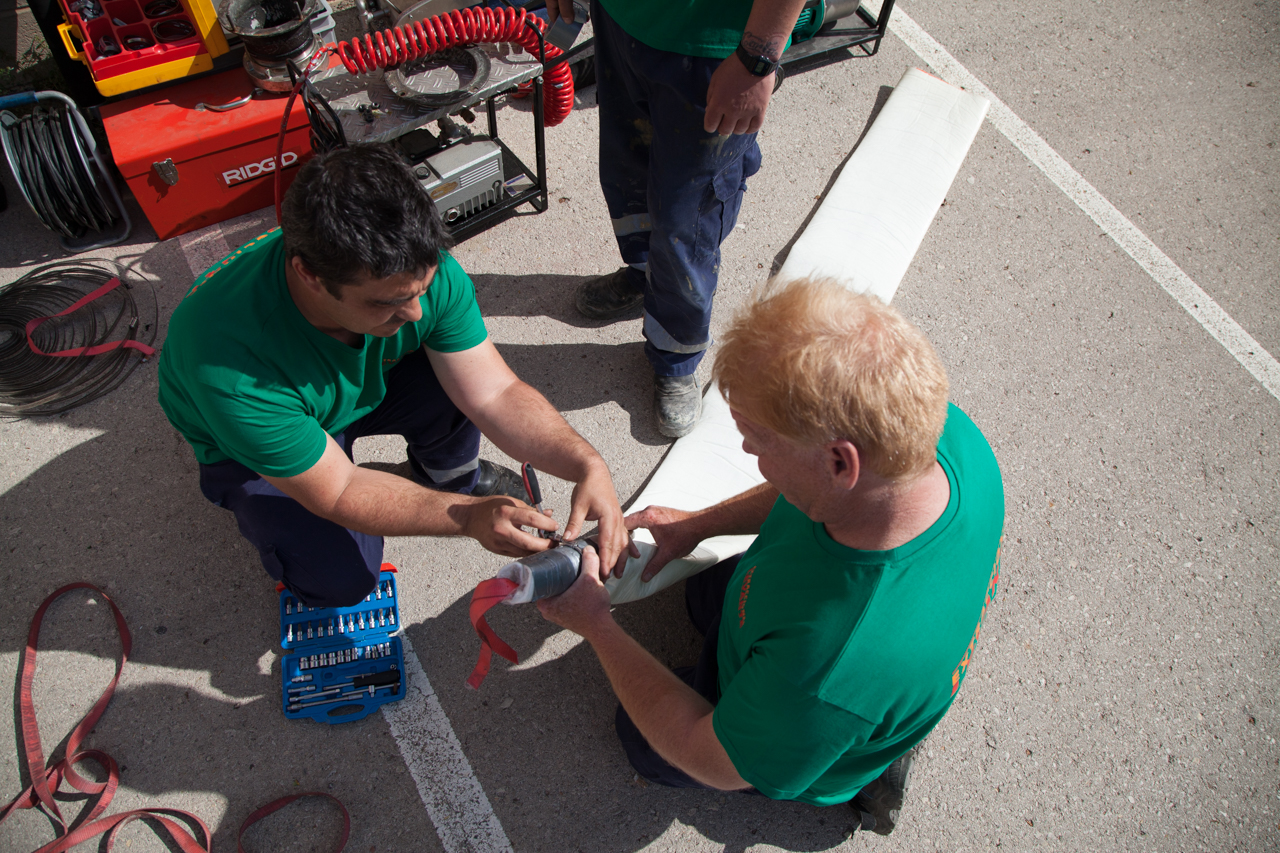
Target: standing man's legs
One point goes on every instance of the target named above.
(674, 192)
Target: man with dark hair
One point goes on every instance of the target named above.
(838, 640)
(683, 88)
(350, 320)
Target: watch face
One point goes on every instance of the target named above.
(757, 66)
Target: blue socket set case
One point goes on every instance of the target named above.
(341, 663)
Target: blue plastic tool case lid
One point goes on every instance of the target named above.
(341, 663)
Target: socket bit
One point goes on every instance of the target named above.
(288, 636)
(288, 606)
(391, 616)
(379, 593)
(330, 626)
(309, 635)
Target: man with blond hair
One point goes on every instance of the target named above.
(838, 640)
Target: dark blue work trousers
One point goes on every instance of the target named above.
(324, 564)
(673, 190)
(704, 600)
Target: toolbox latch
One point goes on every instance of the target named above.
(167, 171)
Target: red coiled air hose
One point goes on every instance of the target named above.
(465, 26)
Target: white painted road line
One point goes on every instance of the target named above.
(449, 788)
(1137, 245)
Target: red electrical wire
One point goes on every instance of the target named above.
(465, 26)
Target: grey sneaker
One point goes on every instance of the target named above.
(610, 297)
(677, 401)
(879, 803)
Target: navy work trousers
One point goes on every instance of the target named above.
(704, 599)
(324, 564)
(673, 190)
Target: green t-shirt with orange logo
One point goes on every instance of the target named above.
(834, 661)
(244, 376)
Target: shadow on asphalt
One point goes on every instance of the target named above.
(571, 787)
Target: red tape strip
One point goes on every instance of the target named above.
(276, 805)
(32, 325)
(488, 594)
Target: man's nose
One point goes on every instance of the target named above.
(411, 311)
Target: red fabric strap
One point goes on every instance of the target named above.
(45, 781)
(488, 594)
(32, 325)
(276, 805)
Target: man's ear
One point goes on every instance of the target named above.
(844, 463)
(305, 276)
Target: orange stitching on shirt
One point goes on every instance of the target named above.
(742, 598)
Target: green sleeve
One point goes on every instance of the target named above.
(451, 299)
(261, 429)
(780, 737)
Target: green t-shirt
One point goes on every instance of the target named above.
(244, 376)
(709, 28)
(833, 661)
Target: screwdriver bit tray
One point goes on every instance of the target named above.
(342, 663)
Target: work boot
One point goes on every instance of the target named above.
(494, 480)
(677, 402)
(499, 480)
(880, 802)
(612, 296)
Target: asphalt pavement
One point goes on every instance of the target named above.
(1123, 693)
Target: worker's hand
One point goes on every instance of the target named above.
(583, 606)
(736, 99)
(594, 499)
(497, 522)
(675, 531)
(559, 9)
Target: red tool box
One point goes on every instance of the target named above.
(190, 165)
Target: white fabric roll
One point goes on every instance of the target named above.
(864, 234)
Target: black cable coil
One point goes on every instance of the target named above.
(51, 168)
(33, 384)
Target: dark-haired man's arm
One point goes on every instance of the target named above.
(383, 504)
(521, 422)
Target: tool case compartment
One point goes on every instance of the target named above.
(132, 44)
(341, 663)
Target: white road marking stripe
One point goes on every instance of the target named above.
(1137, 245)
(204, 248)
(456, 802)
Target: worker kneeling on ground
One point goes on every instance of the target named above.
(351, 320)
(837, 641)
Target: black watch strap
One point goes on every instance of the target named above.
(757, 66)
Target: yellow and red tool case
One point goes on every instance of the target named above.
(190, 166)
(146, 36)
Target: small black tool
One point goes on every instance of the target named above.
(535, 496)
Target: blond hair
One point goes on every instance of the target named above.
(814, 361)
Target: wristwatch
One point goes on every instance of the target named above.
(757, 66)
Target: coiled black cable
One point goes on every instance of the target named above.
(51, 167)
(32, 384)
